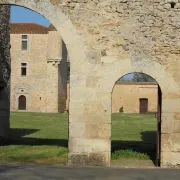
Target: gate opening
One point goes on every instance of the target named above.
(38, 84)
(136, 121)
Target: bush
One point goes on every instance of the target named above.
(121, 110)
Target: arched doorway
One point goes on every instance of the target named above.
(136, 105)
(22, 102)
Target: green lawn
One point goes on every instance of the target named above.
(42, 138)
(134, 136)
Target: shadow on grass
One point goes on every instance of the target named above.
(146, 146)
(17, 138)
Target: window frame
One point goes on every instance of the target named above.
(23, 66)
(24, 39)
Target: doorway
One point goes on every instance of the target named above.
(136, 121)
(143, 105)
(22, 103)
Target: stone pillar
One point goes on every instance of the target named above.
(89, 122)
(4, 71)
(170, 132)
(57, 55)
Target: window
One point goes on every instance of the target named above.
(24, 42)
(22, 103)
(23, 69)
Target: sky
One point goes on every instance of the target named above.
(21, 14)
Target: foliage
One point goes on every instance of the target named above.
(121, 110)
(136, 77)
(140, 77)
(129, 154)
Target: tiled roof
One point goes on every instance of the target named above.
(29, 28)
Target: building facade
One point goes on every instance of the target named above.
(38, 68)
(141, 97)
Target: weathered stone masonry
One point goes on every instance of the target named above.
(107, 39)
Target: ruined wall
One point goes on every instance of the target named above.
(4, 71)
(107, 39)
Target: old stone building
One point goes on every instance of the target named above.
(107, 39)
(38, 68)
(130, 97)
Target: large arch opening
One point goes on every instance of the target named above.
(136, 117)
(39, 61)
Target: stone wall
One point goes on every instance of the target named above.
(107, 39)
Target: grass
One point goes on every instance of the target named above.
(134, 136)
(42, 138)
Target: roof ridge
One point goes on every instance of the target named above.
(30, 23)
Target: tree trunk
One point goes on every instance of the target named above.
(4, 72)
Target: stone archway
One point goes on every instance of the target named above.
(63, 24)
(170, 91)
(103, 49)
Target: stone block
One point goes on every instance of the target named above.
(101, 145)
(77, 129)
(177, 116)
(91, 119)
(170, 105)
(80, 145)
(167, 124)
(169, 159)
(89, 159)
(101, 131)
(170, 142)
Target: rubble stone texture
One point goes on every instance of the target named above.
(4, 71)
(107, 39)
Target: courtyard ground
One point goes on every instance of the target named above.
(42, 138)
(34, 172)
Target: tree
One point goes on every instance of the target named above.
(140, 77)
(4, 72)
(4, 45)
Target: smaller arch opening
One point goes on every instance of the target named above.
(22, 103)
(136, 110)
